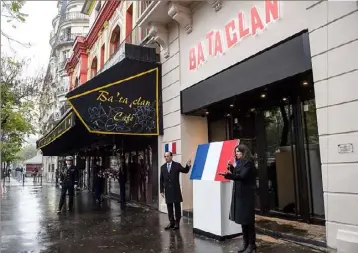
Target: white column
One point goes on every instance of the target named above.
(334, 49)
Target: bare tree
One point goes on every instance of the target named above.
(11, 12)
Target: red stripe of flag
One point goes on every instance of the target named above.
(227, 153)
(174, 147)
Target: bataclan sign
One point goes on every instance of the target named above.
(234, 31)
(128, 106)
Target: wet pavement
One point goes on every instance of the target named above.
(29, 223)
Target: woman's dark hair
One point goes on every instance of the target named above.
(246, 152)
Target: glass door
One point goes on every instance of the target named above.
(277, 161)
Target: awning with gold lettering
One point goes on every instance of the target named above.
(60, 129)
(125, 99)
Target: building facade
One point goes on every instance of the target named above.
(67, 25)
(215, 51)
(273, 74)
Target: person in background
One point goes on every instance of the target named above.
(170, 188)
(99, 181)
(68, 180)
(57, 174)
(122, 179)
(242, 210)
(34, 174)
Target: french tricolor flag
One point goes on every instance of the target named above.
(211, 159)
(171, 147)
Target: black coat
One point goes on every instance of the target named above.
(69, 176)
(242, 209)
(169, 182)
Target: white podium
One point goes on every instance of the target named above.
(211, 207)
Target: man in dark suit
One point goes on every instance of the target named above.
(170, 188)
(68, 180)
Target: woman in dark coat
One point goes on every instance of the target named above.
(242, 212)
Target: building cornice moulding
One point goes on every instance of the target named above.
(159, 33)
(182, 15)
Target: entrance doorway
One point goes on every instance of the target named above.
(278, 123)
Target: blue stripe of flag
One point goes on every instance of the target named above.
(167, 147)
(200, 159)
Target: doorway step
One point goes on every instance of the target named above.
(295, 231)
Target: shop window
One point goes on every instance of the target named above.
(94, 67)
(52, 168)
(115, 39)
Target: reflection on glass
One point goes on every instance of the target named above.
(279, 154)
(313, 160)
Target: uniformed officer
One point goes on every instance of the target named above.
(170, 188)
(68, 180)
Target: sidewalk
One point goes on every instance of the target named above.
(29, 224)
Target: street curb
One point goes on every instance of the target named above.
(293, 238)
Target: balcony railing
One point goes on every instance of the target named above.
(137, 35)
(75, 16)
(67, 38)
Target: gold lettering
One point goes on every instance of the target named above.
(120, 116)
(140, 102)
(103, 96)
(122, 100)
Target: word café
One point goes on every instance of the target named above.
(246, 24)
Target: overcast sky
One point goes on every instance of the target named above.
(36, 31)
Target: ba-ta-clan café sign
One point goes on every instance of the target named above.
(59, 130)
(238, 28)
(128, 106)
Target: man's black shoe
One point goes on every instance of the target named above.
(170, 226)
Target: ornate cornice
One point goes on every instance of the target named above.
(182, 15)
(159, 34)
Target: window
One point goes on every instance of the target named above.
(129, 23)
(115, 40)
(94, 67)
(102, 55)
(76, 83)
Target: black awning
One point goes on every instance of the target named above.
(62, 127)
(125, 99)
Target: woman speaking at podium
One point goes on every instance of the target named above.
(242, 210)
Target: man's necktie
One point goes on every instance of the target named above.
(169, 167)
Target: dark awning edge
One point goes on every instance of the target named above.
(65, 124)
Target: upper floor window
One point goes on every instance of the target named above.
(94, 67)
(115, 39)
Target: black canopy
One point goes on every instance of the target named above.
(124, 99)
